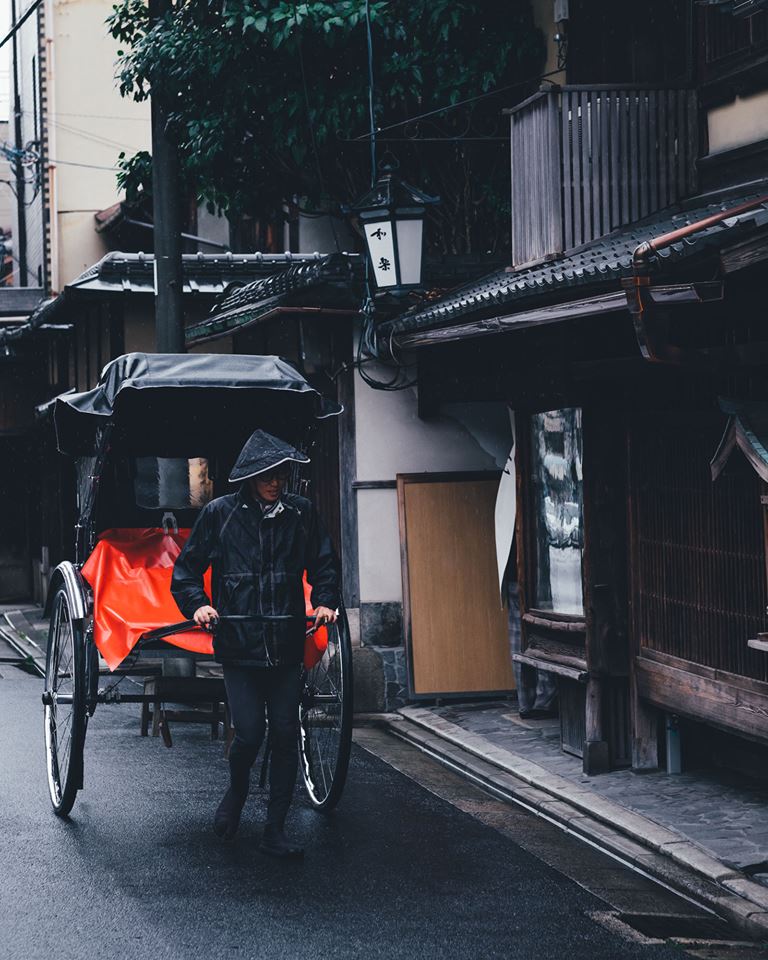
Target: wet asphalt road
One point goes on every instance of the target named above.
(395, 872)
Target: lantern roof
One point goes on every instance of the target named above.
(390, 191)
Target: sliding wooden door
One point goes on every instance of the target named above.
(456, 628)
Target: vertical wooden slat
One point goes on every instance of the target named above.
(692, 141)
(653, 151)
(681, 146)
(578, 193)
(567, 152)
(613, 136)
(586, 168)
(555, 185)
(661, 127)
(632, 158)
(598, 161)
(671, 145)
(624, 154)
(605, 164)
(512, 188)
(642, 111)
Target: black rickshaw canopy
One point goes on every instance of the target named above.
(174, 404)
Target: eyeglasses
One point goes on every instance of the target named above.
(271, 475)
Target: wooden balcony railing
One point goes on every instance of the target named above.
(586, 160)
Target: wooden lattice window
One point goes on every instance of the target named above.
(698, 556)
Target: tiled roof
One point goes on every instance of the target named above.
(600, 262)
(203, 272)
(334, 281)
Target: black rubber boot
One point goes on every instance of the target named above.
(276, 844)
(227, 818)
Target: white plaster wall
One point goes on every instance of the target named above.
(379, 546)
(323, 235)
(738, 123)
(391, 439)
(211, 226)
(90, 124)
(79, 245)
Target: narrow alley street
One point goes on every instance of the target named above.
(400, 870)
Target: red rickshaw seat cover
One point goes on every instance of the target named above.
(130, 571)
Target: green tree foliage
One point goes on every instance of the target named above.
(269, 100)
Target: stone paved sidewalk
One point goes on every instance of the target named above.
(725, 814)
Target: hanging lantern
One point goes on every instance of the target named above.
(391, 216)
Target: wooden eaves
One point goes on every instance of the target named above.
(615, 302)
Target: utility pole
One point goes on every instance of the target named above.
(166, 192)
(20, 240)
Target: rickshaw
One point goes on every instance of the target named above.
(153, 442)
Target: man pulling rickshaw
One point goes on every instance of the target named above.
(258, 543)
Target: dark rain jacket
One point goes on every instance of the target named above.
(257, 563)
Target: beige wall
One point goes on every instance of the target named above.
(7, 199)
(738, 123)
(543, 17)
(139, 323)
(89, 124)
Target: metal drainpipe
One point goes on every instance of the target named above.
(640, 305)
(642, 255)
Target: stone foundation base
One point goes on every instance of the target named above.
(380, 679)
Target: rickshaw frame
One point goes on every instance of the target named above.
(326, 688)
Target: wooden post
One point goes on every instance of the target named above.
(596, 755)
(644, 725)
(642, 717)
(166, 206)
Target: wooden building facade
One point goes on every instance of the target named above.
(624, 336)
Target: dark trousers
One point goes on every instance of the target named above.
(253, 692)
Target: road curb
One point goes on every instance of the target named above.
(659, 851)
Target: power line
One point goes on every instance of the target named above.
(14, 29)
(95, 116)
(74, 163)
(95, 137)
(462, 103)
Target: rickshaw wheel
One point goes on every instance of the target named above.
(65, 703)
(325, 718)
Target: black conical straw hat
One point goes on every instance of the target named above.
(263, 452)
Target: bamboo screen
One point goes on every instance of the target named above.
(698, 564)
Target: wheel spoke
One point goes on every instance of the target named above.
(322, 720)
(64, 728)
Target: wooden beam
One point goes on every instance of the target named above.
(539, 663)
(558, 626)
(607, 303)
(729, 706)
(744, 255)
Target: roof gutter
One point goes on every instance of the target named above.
(650, 333)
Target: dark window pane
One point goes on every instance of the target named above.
(557, 497)
(165, 483)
